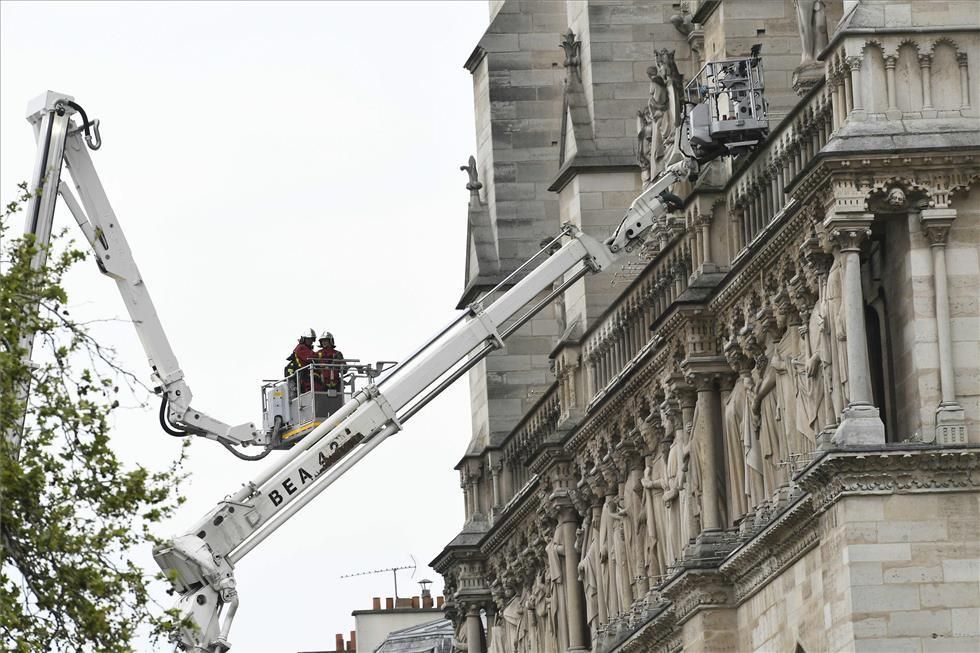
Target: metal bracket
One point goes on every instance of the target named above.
(493, 336)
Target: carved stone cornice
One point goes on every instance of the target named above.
(695, 590)
(937, 174)
(658, 634)
(513, 516)
(905, 470)
(783, 541)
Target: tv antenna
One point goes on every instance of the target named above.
(394, 573)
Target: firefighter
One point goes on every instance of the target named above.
(330, 376)
(301, 357)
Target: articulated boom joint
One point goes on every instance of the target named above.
(654, 202)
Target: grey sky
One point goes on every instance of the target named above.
(276, 167)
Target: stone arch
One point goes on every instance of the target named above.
(943, 40)
(875, 93)
(945, 76)
(908, 78)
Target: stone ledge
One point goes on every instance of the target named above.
(783, 541)
(902, 469)
(580, 163)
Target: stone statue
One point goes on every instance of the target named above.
(474, 184)
(791, 390)
(607, 556)
(664, 107)
(513, 623)
(633, 505)
(644, 140)
(692, 513)
(528, 640)
(654, 483)
(557, 614)
(683, 22)
(620, 525)
(769, 414)
(817, 370)
(658, 114)
(587, 569)
(498, 636)
(838, 340)
(673, 490)
(459, 637)
(539, 637)
(737, 414)
(811, 19)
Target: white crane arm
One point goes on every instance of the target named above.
(241, 521)
(51, 115)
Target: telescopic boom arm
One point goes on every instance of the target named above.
(201, 563)
(60, 139)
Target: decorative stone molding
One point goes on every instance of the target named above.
(695, 590)
(902, 470)
(786, 538)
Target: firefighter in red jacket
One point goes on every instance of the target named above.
(330, 376)
(302, 356)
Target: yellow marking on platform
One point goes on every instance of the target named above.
(289, 434)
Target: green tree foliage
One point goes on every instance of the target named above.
(71, 512)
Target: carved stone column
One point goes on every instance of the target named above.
(861, 423)
(892, 113)
(737, 231)
(857, 100)
(495, 464)
(574, 594)
(950, 420)
(964, 81)
(474, 628)
(925, 65)
(706, 434)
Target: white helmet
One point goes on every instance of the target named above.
(326, 335)
(309, 333)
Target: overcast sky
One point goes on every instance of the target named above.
(276, 167)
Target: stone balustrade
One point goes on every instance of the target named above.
(757, 190)
(624, 330)
(510, 472)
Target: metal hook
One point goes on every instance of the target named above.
(94, 141)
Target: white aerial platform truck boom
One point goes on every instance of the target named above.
(200, 564)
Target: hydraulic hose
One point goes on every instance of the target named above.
(93, 142)
(244, 456)
(165, 424)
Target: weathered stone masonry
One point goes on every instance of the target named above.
(763, 433)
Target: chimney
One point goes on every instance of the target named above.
(415, 602)
(439, 601)
(426, 600)
(376, 603)
(389, 603)
(339, 642)
(352, 642)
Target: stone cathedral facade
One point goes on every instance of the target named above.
(762, 432)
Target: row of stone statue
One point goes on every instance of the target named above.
(642, 490)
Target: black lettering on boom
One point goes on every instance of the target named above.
(275, 497)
